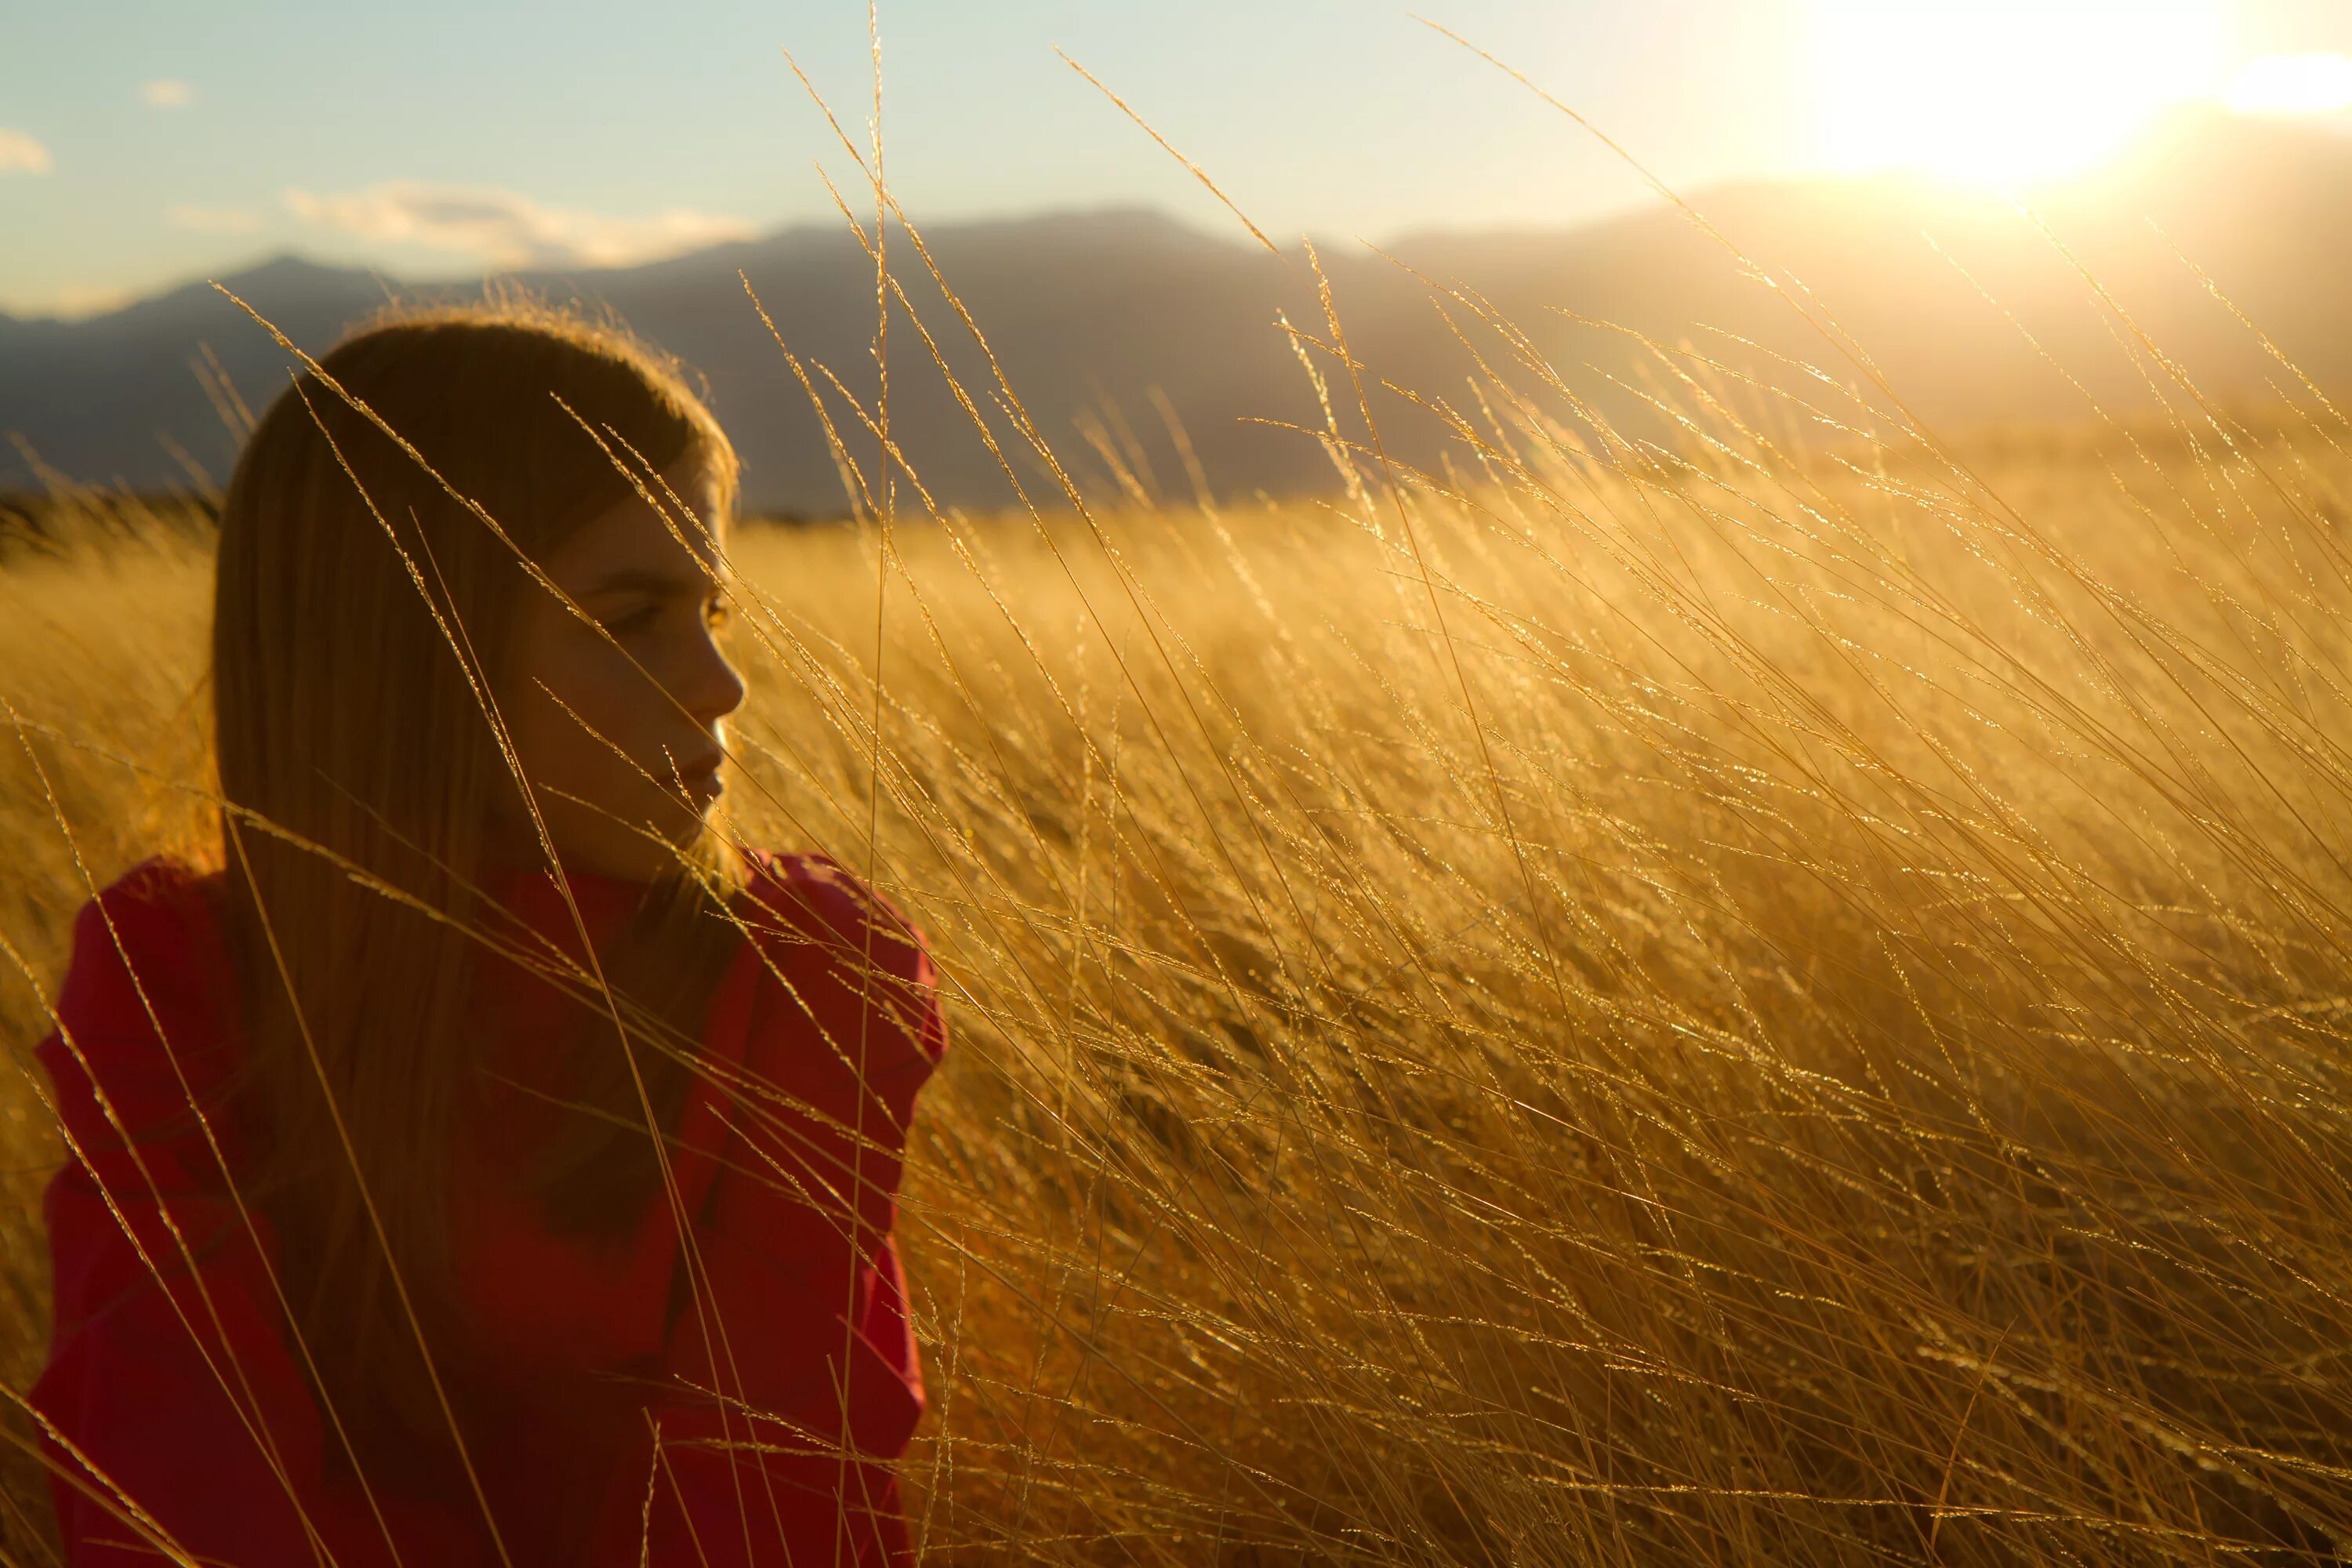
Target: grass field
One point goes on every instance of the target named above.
(1735, 1004)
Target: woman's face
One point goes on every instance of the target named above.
(619, 720)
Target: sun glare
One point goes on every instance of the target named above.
(2007, 91)
(2293, 84)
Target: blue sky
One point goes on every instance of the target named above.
(144, 143)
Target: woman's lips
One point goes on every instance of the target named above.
(702, 782)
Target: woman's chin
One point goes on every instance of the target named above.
(648, 841)
(644, 856)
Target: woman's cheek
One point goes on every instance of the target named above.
(591, 682)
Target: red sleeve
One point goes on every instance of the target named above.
(176, 1409)
(799, 1333)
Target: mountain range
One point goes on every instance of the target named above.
(1973, 310)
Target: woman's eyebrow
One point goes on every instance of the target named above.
(639, 580)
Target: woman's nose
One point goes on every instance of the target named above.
(713, 686)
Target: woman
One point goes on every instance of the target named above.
(482, 1163)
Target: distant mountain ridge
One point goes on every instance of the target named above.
(1092, 313)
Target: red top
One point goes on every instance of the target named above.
(781, 1388)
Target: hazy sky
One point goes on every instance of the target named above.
(146, 141)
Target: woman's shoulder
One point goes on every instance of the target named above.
(149, 957)
(157, 930)
(148, 976)
(814, 899)
(839, 947)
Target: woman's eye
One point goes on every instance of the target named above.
(716, 615)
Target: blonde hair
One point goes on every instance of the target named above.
(362, 608)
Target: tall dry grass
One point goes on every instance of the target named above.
(1729, 998)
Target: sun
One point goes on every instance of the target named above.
(2005, 91)
(2293, 84)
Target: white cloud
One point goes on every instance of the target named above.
(504, 229)
(212, 220)
(167, 94)
(86, 300)
(20, 154)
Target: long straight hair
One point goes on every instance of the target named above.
(362, 608)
